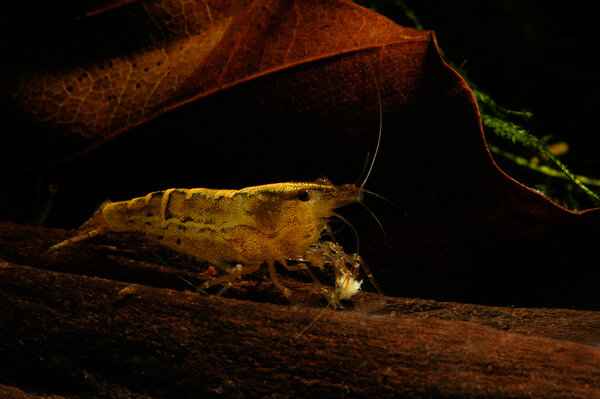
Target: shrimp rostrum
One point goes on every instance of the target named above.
(240, 230)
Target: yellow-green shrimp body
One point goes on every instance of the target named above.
(247, 227)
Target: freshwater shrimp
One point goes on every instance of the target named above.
(271, 223)
(249, 227)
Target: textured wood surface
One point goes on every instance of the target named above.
(73, 333)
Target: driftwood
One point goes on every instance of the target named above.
(69, 328)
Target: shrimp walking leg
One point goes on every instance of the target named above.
(330, 295)
(273, 274)
(230, 278)
(327, 293)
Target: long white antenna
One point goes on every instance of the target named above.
(378, 136)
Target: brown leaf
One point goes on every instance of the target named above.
(97, 77)
(304, 73)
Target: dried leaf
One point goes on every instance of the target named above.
(99, 76)
(267, 74)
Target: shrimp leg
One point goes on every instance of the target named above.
(230, 278)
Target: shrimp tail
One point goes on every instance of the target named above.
(93, 227)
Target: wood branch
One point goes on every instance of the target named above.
(27, 245)
(68, 334)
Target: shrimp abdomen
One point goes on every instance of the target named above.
(93, 227)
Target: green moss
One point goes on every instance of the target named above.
(556, 180)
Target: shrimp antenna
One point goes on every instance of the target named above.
(364, 168)
(374, 194)
(343, 219)
(367, 271)
(312, 323)
(378, 136)
(374, 217)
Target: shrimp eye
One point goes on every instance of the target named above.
(304, 195)
(324, 181)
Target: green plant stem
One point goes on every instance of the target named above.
(516, 133)
(548, 171)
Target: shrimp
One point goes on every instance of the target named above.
(271, 223)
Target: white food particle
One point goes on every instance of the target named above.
(347, 286)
